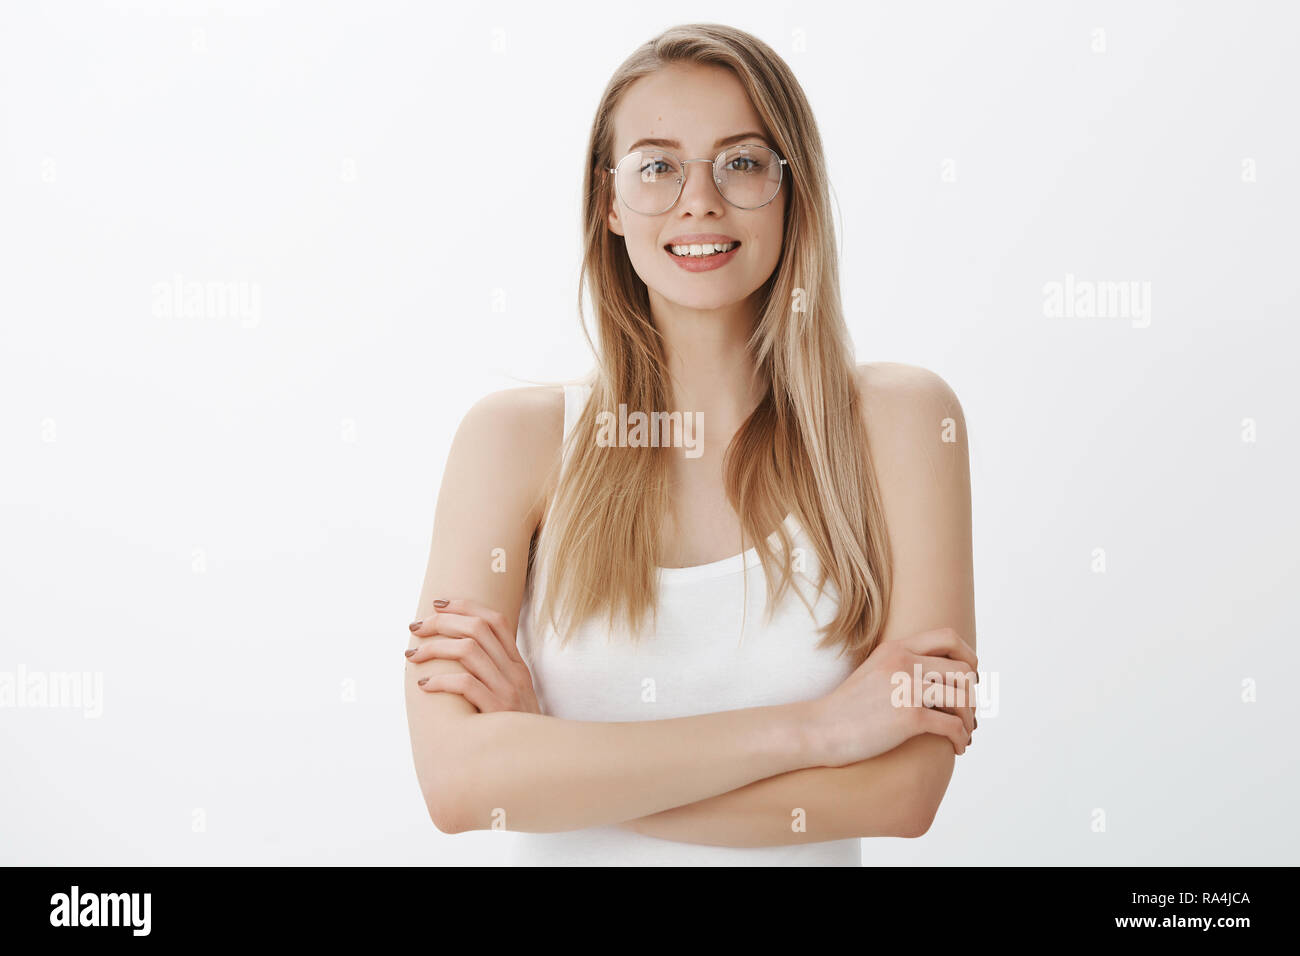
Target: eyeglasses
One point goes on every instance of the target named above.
(650, 181)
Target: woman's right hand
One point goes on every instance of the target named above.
(860, 719)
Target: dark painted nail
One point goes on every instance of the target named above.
(416, 625)
(440, 603)
(410, 652)
(422, 681)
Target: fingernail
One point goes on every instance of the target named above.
(410, 652)
(422, 681)
(416, 625)
(440, 603)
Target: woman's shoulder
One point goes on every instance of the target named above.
(912, 414)
(515, 409)
(895, 386)
(506, 447)
(529, 420)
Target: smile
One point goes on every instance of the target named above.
(701, 250)
(702, 256)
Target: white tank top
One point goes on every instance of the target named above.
(696, 661)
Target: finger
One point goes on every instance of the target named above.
(967, 715)
(494, 619)
(935, 721)
(475, 628)
(464, 684)
(938, 721)
(471, 656)
(945, 642)
(946, 669)
(948, 693)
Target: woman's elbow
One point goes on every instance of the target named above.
(443, 797)
(442, 746)
(444, 813)
(917, 824)
(935, 760)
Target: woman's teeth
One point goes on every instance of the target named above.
(703, 249)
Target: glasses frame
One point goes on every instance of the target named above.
(681, 179)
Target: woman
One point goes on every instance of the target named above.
(598, 661)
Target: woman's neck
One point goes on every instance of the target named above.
(710, 368)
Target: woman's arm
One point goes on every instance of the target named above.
(541, 774)
(925, 487)
(887, 796)
(532, 772)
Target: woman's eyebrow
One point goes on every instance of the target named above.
(674, 144)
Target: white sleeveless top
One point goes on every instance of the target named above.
(696, 661)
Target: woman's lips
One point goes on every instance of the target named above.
(703, 263)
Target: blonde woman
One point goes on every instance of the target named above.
(689, 653)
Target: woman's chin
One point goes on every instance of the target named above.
(704, 300)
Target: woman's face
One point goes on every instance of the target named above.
(694, 111)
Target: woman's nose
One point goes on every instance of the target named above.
(700, 192)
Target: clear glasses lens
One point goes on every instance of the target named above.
(749, 176)
(650, 180)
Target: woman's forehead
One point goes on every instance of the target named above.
(667, 107)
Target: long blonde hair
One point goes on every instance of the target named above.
(803, 451)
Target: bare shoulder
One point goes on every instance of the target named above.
(914, 418)
(506, 445)
(517, 413)
(894, 389)
(527, 421)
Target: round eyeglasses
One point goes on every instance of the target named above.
(650, 181)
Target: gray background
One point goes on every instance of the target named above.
(227, 517)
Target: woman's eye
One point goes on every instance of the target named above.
(752, 164)
(656, 167)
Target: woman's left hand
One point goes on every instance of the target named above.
(484, 643)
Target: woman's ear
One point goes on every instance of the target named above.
(615, 223)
